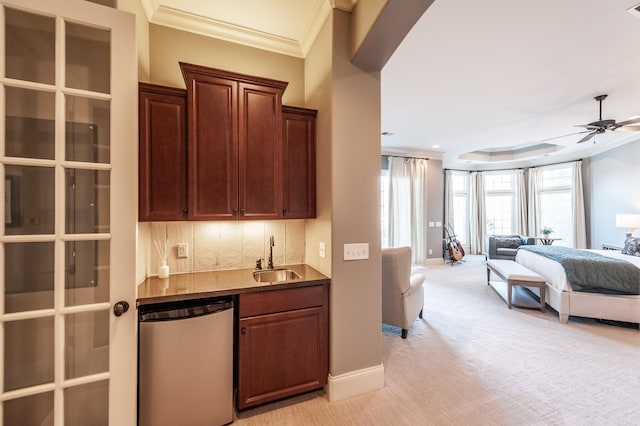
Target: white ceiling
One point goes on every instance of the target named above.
(495, 75)
(485, 75)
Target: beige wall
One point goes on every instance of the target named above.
(364, 16)
(169, 46)
(318, 82)
(355, 164)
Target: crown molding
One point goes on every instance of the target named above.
(178, 19)
(198, 24)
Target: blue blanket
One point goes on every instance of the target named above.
(592, 272)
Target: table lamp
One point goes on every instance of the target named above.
(631, 221)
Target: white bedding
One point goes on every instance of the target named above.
(616, 307)
(553, 272)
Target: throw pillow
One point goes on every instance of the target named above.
(631, 246)
(509, 242)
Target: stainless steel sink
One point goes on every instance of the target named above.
(275, 275)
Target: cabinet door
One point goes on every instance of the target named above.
(260, 178)
(299, 162)
(280, 355)
(213, 146)
(162, 153)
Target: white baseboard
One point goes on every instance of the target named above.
(355, 383)
(435, 261)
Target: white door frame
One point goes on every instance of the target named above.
(123, 195)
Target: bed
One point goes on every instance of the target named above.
(568, 302)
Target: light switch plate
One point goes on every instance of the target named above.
(357, 251)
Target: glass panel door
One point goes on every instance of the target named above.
(67, 238)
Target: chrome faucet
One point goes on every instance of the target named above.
(271, 244)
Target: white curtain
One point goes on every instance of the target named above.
(477, 212)
(579, 225)
(521, 203)
(534, 202)
(448, 197)
(408, 206)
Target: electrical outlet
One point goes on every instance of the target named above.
(321, 251)
(358, 251)
(183, 250)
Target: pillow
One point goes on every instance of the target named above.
(631, 246)
(509, 242)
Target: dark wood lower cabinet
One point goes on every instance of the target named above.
(282, 344)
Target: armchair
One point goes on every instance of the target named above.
(505, 246)
(402, 292)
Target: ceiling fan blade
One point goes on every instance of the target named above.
(627, 122)
(588, 126)
(628, 128)
(564, 136)
(589, 136)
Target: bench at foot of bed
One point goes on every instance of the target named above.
(515, 274)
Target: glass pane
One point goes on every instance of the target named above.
(499, 214)
(87, 272)
(28, 353)
(87, 130)
(88, 58)
(87, 198)
(556, 212)
(86, 347)
(34, 410)
(30, 46)
(29, 200)
(29, 125)
(87, 404)
(28, 276)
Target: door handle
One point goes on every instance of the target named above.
(120, 308)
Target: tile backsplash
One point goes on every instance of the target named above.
(226, 245)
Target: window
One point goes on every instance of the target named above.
(460, 186)
(500, 199)
(556, 194)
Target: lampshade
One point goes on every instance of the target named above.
(629, 221)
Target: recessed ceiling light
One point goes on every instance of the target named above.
(435, 146)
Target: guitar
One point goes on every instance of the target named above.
(456, 252)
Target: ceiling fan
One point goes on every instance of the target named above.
(601, 126)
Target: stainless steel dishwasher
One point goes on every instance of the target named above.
(186, 363)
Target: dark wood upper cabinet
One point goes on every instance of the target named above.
(299, 162)
(235, 144)
(224, 149)
(162, 153)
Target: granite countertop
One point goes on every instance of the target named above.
(200, 285)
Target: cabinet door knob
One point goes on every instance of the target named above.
(234, 212)
(243, 330)
(242, 212)
(284, 212)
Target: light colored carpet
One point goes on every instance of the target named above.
(472, 361)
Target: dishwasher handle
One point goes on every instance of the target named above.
(182, 312)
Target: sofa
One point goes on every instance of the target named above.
(505, 246)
